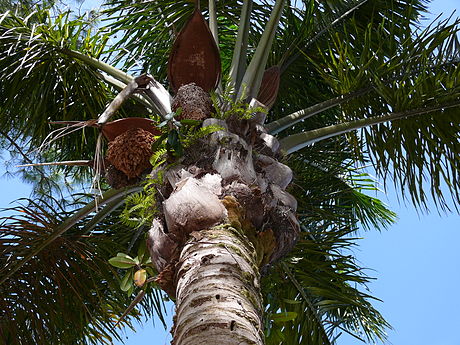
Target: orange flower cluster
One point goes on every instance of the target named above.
(130, 152)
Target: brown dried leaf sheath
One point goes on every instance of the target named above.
(130, 152)
(269, 86)
(194, 56)
(114, 128)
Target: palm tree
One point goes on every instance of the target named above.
(351, 83)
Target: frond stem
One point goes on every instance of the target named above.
(117, 102)
(298, 141)
(291, 119)
(110, 70)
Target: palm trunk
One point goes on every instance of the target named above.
(225, 215)
(218, 292)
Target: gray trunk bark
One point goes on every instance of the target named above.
(218, 290)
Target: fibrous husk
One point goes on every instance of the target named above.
(281, 197)
(233, 157)
(195, 103)
(251, 199)
(165, 279)
(130, 152)
(194, 56)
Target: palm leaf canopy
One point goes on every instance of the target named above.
(68, 293)
(360, 83)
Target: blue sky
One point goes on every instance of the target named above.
(416, 262)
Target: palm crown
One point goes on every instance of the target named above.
(359, 83)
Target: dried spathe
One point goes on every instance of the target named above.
(269, 87)
(113, 129)
(194, 56)
(130, 152)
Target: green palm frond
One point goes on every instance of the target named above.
(420, 78)
(72, 275)
(310, 28)
(318, 292)
(330, 189)
(368, 40)
(24, 6)
(50, 71)
(342, 61)
(321, 287)
(62, 227)
(68, 293)
(40, 83)
(339, 16)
